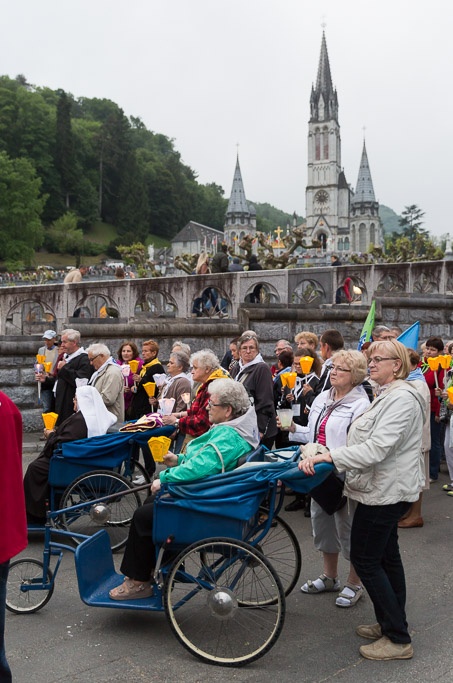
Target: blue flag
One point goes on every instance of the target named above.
(368, 326)
(410, 337)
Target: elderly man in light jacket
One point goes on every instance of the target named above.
(107, 379)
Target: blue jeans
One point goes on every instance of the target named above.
(436, 450)
(5, 671)
(376, 558)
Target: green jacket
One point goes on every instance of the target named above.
(204, 455)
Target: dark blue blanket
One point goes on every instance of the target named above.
(109, 449)
(238, 494)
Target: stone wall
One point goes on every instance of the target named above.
(161, 308)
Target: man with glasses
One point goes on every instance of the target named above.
(107, 378)
(281, 345)
(73, 365)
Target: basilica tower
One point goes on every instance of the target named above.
(240, 219)
(327, 193)
(366, 228)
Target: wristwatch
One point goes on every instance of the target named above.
(176, 424)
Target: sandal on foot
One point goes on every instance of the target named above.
(129, 590)
(320, 585)
(349, 595)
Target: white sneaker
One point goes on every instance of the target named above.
(138, 480)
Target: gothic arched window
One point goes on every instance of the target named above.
(325, 143)
(317, 144)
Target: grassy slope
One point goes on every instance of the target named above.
(102, 233)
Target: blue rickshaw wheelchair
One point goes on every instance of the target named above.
(217, 568)
(88, 469)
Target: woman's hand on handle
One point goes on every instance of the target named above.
(307, 466)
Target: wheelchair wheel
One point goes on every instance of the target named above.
(136, 470)
(282, 549)
(113, 515)
(224, 602)
(24, 573)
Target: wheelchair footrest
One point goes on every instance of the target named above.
(96, 576)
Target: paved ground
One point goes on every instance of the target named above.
(69, 642)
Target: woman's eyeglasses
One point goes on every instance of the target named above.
(337, 368)
(378, 359)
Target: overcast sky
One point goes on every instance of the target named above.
(214, 73)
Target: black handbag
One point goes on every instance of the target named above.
(329, 494)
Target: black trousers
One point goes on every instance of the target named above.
(140, 554)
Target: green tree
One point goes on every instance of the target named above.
(133, 212)
(21, 206)
(411, 222)
(64, 148)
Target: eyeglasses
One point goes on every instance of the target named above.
(378, 359)
(92, 358)
(214, 405)
(336, 368)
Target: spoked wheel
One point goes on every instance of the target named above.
(282, 549)
(113, 515)
(23, 573)
(136, 470)
(224, 601)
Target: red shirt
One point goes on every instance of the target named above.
(13, 523)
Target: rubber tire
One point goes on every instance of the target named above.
(248, 573)
(11, 588)
(290, 576)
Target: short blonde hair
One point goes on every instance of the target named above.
(310, 337)
(394, 349)
(355, 361)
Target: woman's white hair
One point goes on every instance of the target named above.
(206, 359)
(230, 393)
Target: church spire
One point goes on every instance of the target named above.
(323, 100)
(364, 191)
(238, 202)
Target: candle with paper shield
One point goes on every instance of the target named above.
(48, 366)
(159, 445)
(289, 379)
(150, 388)
(186, 398)
(166, 406)
(306, 363)
(49, 420)
(125, 371)
(450, 394)
(40, 358)
(39, 369)
(434, 364)
(133, 364)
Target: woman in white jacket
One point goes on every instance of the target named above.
(329, 419)
(384, 464)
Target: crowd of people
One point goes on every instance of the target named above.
(380, 415)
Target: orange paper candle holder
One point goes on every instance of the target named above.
(289, 379)
(150, 388)
(40, 358)
(49, 420)
(133, 364)
(434, 363)
(159, 445)
(306, 363)
(48, 366)
(445, 361)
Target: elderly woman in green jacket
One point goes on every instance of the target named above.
(233, 434)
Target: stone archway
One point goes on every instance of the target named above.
(29, 317)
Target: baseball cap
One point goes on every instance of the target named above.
(49, 334)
